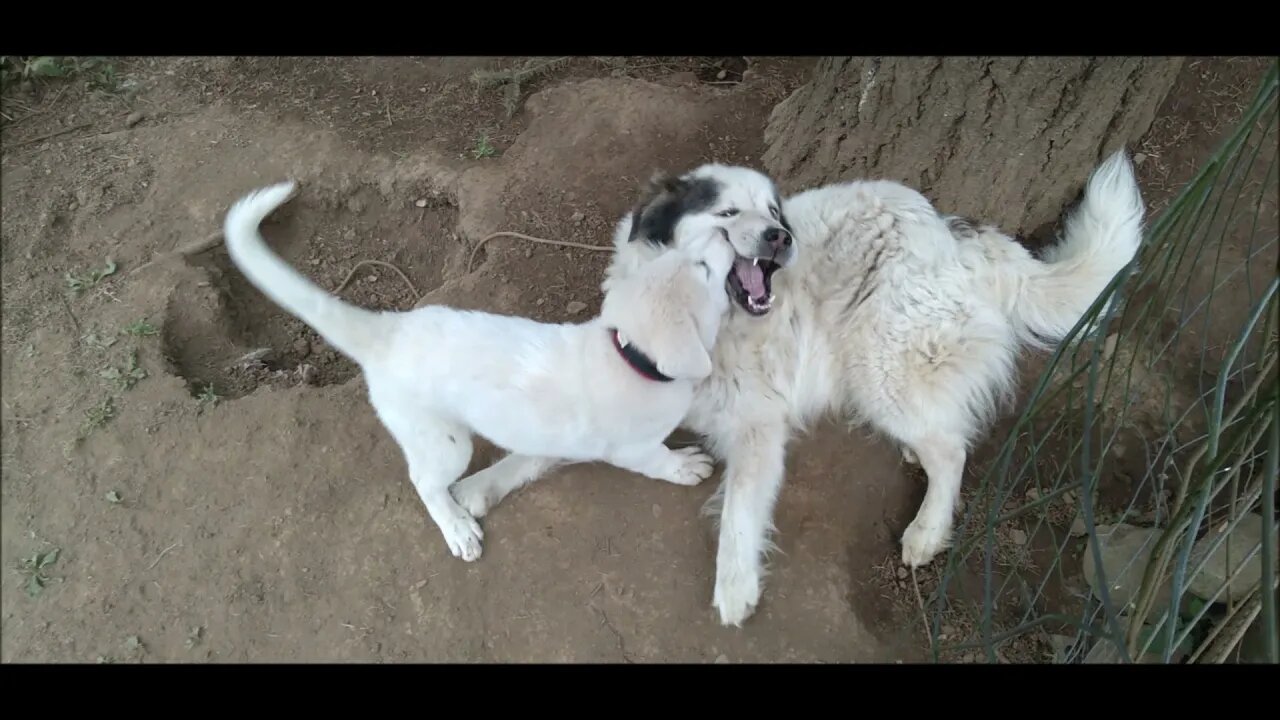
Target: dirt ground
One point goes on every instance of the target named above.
(212, 504)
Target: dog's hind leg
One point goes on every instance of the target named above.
(481, 491)
(942, 457)
(437, 452)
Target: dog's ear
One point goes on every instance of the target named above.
(676, 348)
(662, 182)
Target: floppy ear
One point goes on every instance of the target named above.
(675, 346)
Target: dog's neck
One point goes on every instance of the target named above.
(638, 361)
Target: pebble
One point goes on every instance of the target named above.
(528, 253)
(722, 660)
(902, 573)
(420, 202)
(576, 307)
(134, 118)
(1033, 494)
(1019, 537)
(578, 216)
(1244, 539)
(539, 301)
(722, 75)
(1126, 551)
(657, 510)
(1139, 158)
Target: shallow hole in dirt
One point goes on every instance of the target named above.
(223, 332)
(723, 70)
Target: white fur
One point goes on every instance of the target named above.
(436, 375)
(886, 313)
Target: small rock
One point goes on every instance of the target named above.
(1033, 494)
(302, 346)
(539, 301)
(315, 261)
(1018, 536)
(902, 573)
(575, 307)
(657, 510)
(420, 202)
(1109, 346)
(134, 118)
(722, 660)
(1126, 551)
(1077, 527)
(578, 216)
(722, 75)
(1139, 158)
(349, 235)
(73, 206)
(528, 253)
(1244, 538)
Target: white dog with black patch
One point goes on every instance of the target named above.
(610, 389)
(859, 299)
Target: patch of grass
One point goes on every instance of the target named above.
(85, 281)
(141, 328)
(483, 148)
(194, 637)
(98, 71)
(125, 379)
(33, 569)
(208, 397)
(97, 416)
(512, 80)
(96, 341)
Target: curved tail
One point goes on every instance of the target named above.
(1101, 236)
(353, 331)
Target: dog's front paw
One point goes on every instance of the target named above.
(921, 543)
(463, 535)
(474, 494)
(737, 593)
(694, 466)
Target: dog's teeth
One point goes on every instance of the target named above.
(770, 300)
(622, 340)
(755, 262)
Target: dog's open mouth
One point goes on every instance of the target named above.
(750, 284)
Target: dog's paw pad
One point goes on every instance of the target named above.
(695, 466)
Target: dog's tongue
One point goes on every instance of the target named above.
(751, 276)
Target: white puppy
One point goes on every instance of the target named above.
(861, 300)
(573, 392)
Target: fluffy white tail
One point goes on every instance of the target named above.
(354, 331)
(1101, 236)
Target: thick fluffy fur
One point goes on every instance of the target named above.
(885, 313)
(548, 392)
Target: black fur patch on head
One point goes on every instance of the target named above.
(666, 200)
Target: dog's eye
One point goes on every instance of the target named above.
(774, 212)
(727, 213)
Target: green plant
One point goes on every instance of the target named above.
(33, 569)
(207, 397)
(125, 379)
(78, 283)
(1199, 413)
(140, 328)
(483, 148)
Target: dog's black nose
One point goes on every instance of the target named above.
(777, 237)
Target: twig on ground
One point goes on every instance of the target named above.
(72, 315)
(49, 136)
(530, 238)
(416, 295)
(162, 554)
